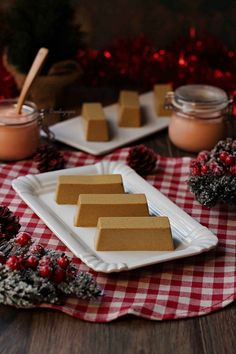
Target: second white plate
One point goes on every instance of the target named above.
(71, 131)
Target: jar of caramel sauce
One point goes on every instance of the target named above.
(199, 114)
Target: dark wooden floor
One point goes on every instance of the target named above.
(49, 332)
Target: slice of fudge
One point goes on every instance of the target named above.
(69, 188)
(95, 122)
(92, 206)
(129, 113)
(150, 233)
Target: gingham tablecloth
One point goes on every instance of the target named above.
(183, 288)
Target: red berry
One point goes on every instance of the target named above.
(63, 262)
(45, 260)
(32, 262)
(223, 155)
(203, 156)
(12, 262)
(37, 248)
(22, 238)
(233, 170)
(229, 160)
(196, 171)
(204, 169)
(216, 168)
(213, 164)
(59, 275)
(194, 163)
(45, 271)
(218, 171)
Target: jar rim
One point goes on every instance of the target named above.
(30, 113)
(201, 94)
(191, 116)
(199, 98)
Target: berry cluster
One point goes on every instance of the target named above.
(55, 267)
(31, 274)
(213, 174)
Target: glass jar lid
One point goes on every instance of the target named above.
(194, 99)
(8, 115)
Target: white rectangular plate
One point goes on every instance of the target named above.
(71, 131)
(38, 192)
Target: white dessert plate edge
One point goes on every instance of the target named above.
(190, 237)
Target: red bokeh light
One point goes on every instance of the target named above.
(107, 54)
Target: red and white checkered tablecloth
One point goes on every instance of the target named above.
(183, 288)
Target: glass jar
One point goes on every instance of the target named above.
(19, 133)
(198, 120)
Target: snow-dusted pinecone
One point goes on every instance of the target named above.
(213, 174)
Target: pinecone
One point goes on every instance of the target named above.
(9, 223)
(142, 159)
(213, 174)
(48, 158)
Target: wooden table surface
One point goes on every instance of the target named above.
(41, 331)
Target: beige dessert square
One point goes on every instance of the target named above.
(160, 92)
(134, 234)
(95, 123)
(70, 187)
(129, 114)
(92, 206)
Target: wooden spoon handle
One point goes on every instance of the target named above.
(37, 63)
